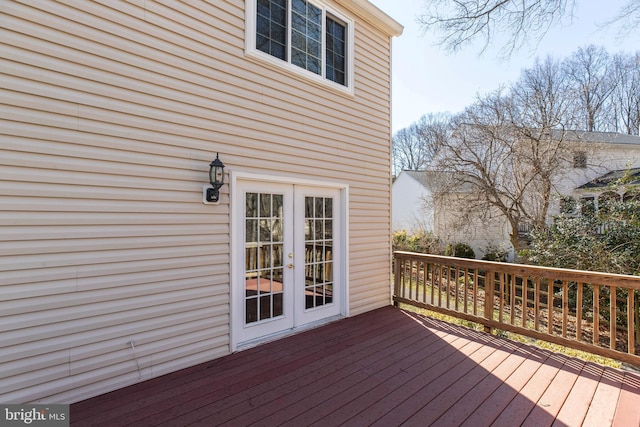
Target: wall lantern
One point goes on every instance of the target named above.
(216, 178)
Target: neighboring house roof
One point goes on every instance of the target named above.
(611, 177)
(598, 137)
(420, 176)
(435, 180)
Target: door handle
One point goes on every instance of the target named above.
(289, 265)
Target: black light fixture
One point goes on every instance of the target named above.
(216, 178)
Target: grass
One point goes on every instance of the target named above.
(590, 357)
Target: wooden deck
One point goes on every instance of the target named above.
(384, 368)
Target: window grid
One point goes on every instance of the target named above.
(304, 35)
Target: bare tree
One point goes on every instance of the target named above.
(460, 22)
(626, 95)
(416, 145)
(503, 164)
(628, 18)
(590, 74)
(543, 94)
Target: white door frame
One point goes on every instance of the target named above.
(236, 312)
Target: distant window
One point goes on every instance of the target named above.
(580, 160)
(568, 205)
(305, 34)
(587, 206)
(605, 201)
(631, 196)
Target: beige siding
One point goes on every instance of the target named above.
(110, 112)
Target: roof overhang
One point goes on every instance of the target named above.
(370, 13)
(631, 177)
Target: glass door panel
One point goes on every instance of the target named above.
(264, 242)
(318, 283)
(317, 212)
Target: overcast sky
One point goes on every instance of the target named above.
(428, 80)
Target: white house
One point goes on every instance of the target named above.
(115, 268)
(597, 155)
(411, 199)
(604, 158)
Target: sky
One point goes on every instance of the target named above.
(426, 79)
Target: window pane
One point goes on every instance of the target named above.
(263, 28)
(277, 256)
(328, 208)
(319, 230)
(263, 8)
(277, 205)
(299, 6)
(251, 310)
(306, 24)
(271, 16)
(277, 305)
(279, 14)
(313, 64)
(298, 41)
(298, 58)
(319, 207)
(251, 205)
(335, 51)
(314, 32)
(308, 229)
(265, 205)
(251, 230)
(328, 230)
(278, 50)
(265, 307)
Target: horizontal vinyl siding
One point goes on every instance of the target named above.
(110, 114)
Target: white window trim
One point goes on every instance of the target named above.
(251, 51)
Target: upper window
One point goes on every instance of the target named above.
(304, 34)
(580, 160)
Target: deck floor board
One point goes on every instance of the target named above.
(385, 367)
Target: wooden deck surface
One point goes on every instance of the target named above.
(384, 368)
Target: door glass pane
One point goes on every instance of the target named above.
(277, 304)
(318, 252)
(252, 205)
(264, 259)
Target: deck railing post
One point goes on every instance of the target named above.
(489, 285)
(396, 279)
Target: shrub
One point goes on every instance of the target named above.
(495, 253)
(422, 242)
(460, 250)
(609, 244)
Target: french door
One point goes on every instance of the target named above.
(290, 259)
